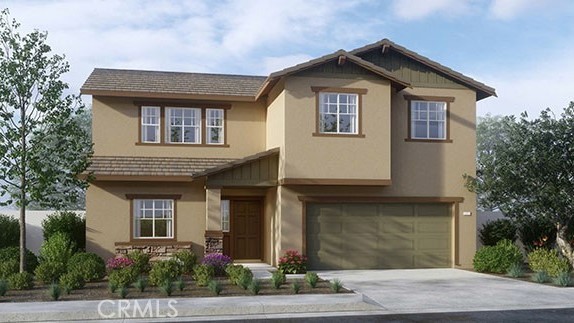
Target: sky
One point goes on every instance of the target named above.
(522, 48)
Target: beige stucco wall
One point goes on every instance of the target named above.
(108, 213)
(275, 123)
(308, 156)
(115, 131)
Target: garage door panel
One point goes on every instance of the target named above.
(364, 236)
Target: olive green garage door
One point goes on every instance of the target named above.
(369, 235)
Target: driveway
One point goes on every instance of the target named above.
(449, 290)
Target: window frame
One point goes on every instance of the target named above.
(440, 99)
(359, 110)
(196, 114)
(222, 216)
(165, 106)
(143, 124)
(132, 198)
(208, 127)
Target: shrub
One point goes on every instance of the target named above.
(311, 279)
(21, 281)
(494, 231)
(541, 277)
(71, 281)
(293, 263)
(203, 274)
(563, 279)
(118, 263)
(54, 292)
(8, 268)
(215, 287)
(69, 224)
(296, 286)
(123, 277)
(123, 292)
(187, 260)
(234, 273)
(3, 287)
(278, 278)
(245, 278)
(49, 271)
(10, 233)
(180, 284)
(218, 261)
(164, 270)
(90, 265)
(255, 286)
(58, 248)
(336, 285)
(140, 284)
(548, 261)
(166, 287)
(536, 233)
(498, 258)
(112, 287)
(140, 261)
(13, 253)
(516, 270)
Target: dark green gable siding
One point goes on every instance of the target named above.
(261, 172)
(410, 70)
(332, 69)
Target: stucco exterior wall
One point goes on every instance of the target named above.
(275, 123)
(308, 156)
(115, 126)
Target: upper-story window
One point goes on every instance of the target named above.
(192, 125)
(429, 118)
(150, 124)
(338, 111)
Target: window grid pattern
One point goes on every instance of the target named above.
(153, 218)
(225, 213)
(338, 113)
(184, 125)
(214, 126)
(150, 124)
(428, 120)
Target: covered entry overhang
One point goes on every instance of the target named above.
(235, 222)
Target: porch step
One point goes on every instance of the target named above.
(260, 270)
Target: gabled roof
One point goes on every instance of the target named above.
(276, 76)
(177, 85)
(237, 163)
(483, 90)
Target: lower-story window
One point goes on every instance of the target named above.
(225, 215)
(153, 218)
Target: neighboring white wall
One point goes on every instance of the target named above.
(34, 235)
(483, 217)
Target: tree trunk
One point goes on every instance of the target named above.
(23, 187)
(22, 238)
(563, 244)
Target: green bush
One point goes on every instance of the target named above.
(180, 284)
(141, 261)
(68, 223)
(278, 278)
(166, 287)
(541, 277)
(71, 281)
(8, 268)
(203, 274)
(255, 286)
(548, 261)
(516, 270)
(187, 260)
(123, 277)
(245, 278)
(215, 287)
(498, 258)
(563, 279)
(311, 279)
(10, 233)
(49, 271)
(296, 286)
(123, 292)
(140, 284)
(21, 281)
(336, 285)
(164, 270)
(3, 287)
(536, 233)
(494, 231)
(239, 275)
(58, 248)
(13, 253)
(90, 265)
(54, 292)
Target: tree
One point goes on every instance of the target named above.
(41, 150)
(528, 171)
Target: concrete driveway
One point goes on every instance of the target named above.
(449, 290)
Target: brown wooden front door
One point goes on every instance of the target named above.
(245, 230)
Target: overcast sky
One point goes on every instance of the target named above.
(523, 48)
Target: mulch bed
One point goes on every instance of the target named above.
(99, 291)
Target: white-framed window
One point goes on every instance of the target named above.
(338, 113)
(183, 125)
(150, 124)
(428, 120)
(153, 218)
(225, 209)
(214, 126)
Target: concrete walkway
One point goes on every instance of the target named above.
(387, 292)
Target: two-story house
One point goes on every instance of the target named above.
(355, 159)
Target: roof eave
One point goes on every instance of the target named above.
(163, 95)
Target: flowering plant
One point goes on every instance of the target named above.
(118, 263)
(218, 261)
(293, 263)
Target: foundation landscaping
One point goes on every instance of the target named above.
(64, 272)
